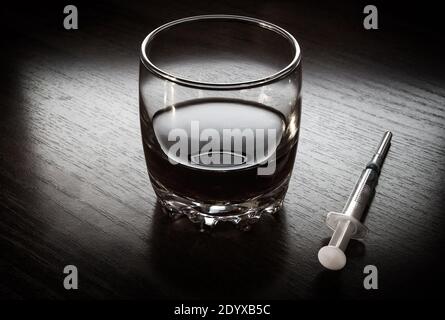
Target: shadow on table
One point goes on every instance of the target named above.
(223, 263)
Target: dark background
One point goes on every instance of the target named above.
(74, 188)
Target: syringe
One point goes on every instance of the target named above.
(347, 225)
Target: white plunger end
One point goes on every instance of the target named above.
(332, 258)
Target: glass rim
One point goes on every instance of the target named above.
(219, 86)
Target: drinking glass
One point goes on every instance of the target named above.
(220, 113)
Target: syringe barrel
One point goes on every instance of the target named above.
(362, 194)
(364, 188)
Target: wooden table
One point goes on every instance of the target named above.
(74, 188)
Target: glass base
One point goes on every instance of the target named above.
(207, 215)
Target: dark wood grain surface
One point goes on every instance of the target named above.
(74, 187)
